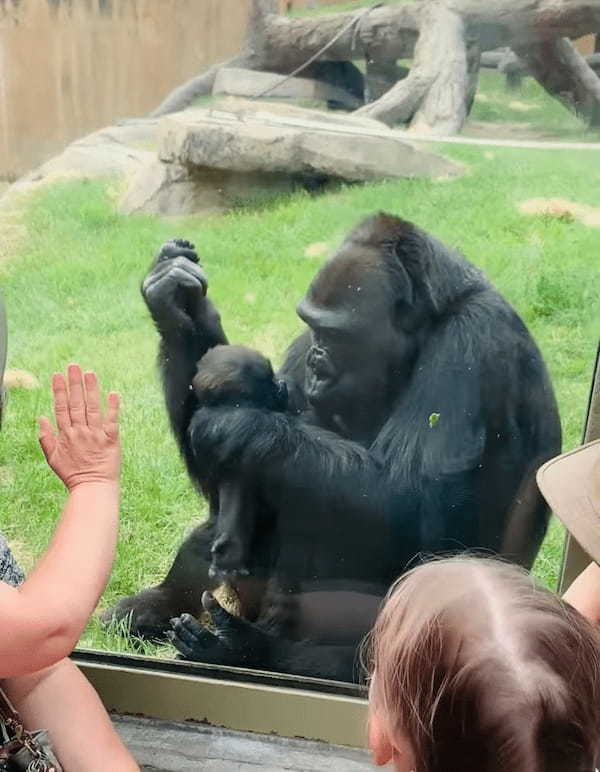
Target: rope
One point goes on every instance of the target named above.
(354, 20)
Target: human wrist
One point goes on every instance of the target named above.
(92, 483)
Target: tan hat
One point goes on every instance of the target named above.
(571, 485)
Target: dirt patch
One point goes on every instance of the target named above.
(517, 130)
(562, 209)
(12, 235)
(21, 379)
(318, 249)
(522, 107)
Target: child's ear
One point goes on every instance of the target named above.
(381, 747)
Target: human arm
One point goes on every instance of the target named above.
(47, 613)
(584, 593)
(61, 700)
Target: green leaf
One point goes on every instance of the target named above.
(433, 420)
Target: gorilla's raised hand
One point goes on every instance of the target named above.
(175, 287)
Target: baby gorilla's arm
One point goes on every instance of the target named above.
(232, 376)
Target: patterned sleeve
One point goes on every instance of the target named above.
(10, 572)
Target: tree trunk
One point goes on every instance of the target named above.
(382, 34)
(512, 66)
(566, 75)
(434, 94)
(380, 77)
(445, 36)
(200, 85)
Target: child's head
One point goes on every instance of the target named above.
(475, 668)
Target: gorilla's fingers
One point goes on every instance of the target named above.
(209, 603)
(232, 631)
(179, 272)
(184, 243)
(177, 248)
(190, 632)
(185, 651)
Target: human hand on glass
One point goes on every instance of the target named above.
(85, 448)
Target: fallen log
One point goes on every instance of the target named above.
(446, 38)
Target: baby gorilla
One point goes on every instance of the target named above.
(240, 377)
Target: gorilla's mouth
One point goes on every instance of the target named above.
(320, 373)
(228, 558)
(227, 574)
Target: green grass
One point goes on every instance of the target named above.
(339, 7)
(72, 295)
(528, 107)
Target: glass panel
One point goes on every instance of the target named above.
(437, 282)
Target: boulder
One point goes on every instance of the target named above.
(170, 189)
(112, 151)
(215, 158)
(253, 83)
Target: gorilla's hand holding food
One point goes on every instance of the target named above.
(229, 641)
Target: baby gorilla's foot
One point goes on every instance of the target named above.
(177, 248)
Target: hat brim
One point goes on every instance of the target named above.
(571, 485)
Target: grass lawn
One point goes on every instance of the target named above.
(72, 295)
(351, 5)
(525, 112)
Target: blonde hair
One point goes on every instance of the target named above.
(484, 670)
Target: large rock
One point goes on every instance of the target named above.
(253, 83)
(171, 189)
(112, 151)
(217, 158)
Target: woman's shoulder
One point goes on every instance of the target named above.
(10, 570)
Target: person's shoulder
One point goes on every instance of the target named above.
(10, 570)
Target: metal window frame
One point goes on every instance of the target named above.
(247, 700)
(233, 698)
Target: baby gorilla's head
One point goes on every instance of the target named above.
(236, 375)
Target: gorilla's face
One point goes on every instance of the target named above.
(356, 344)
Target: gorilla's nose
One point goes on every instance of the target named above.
(282, 394)
(227, 559)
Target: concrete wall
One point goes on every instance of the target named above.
(70, 66)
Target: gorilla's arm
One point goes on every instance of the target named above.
(429, 460)
(287, 457)
(188, 323)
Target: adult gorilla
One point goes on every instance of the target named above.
(355, 479)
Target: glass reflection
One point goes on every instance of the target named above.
(407, 417)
